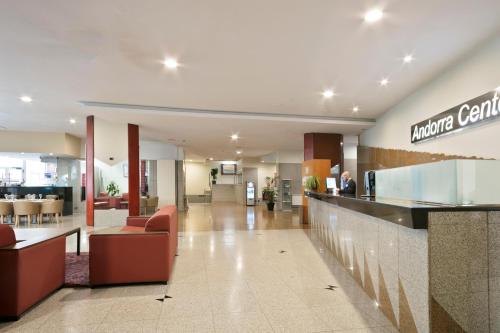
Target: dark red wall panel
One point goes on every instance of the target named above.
(89, 174)
(133, 170)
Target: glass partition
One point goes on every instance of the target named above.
(457, 182)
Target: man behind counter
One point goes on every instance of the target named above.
(349, 184)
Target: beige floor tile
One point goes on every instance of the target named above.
(295, 320)
(345, 317)
(134, 309)
(200, 323)
(142, 326)
(241, 322)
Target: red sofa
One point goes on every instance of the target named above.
(142, 251)
(29, 270)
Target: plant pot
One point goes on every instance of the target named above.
(214, 182)
(270, 206)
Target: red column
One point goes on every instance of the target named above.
(133, 170)
(89, 174)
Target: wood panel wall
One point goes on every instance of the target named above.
(319, 168)
(324, 146)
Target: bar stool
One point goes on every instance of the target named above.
(6, 209)
(26, 208)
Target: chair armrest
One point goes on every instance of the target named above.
(137, 221)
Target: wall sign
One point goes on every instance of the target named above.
(474, 112)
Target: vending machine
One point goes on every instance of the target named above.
(250, 191)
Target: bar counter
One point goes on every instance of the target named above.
(429, 267)
(411, 214)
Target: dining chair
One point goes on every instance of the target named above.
(143, 205)
(26, 208)
(52, 197)
(6, 209)
(51, 208)
(152, 204)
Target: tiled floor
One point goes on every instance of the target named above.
(233, 280)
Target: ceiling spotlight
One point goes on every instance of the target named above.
(72, 121)
(170, 63)
(26, 99)
(238, 152)
(211, 158)
(408, 58)
(373, 15)
(234, 137)
(355, 109)
(384, 82)
(328, 93)
(51, 154)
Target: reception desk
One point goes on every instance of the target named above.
(429, 267)
(65, 193)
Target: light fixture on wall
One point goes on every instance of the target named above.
(328, 93)
(170, 63)
(26, 99)
(408, 58)
(373, 15)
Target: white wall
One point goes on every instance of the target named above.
(165, 180)
(155, 150)
(109, 173)
(477, 74)
(197, 178)
(110, 140)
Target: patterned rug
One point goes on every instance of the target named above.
(77, 270)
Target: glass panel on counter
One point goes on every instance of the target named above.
(456, 182)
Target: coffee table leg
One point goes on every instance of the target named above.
(78, 243)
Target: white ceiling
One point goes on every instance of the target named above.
(261, 56)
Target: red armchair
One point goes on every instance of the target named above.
(142, 251)
(30, 270)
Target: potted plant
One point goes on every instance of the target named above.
(269, 193)
(312, 183)
(213, 173)
(112, 189)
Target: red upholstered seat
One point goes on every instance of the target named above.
(7, 235)
(142, 251)
(30, 273)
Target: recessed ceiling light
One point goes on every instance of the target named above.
(498, 89)
(51, 154)
(211, 158)
(328, 93)
(373, 15)
(384, 82)
(238, 152)
(234, 137)
(26, 99)
(355, 109)
(72, 121)
(408, 58)
(261, 161)
(170, 63)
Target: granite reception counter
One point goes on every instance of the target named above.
(429, 267)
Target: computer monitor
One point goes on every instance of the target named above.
(331, 183)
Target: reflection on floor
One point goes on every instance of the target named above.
(234, 273)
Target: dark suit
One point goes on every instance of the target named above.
(349, 188)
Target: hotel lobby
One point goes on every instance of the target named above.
(270, 166)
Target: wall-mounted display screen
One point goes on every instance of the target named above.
(228, 169)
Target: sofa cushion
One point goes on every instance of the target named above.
(157, 222)
(7, 235)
